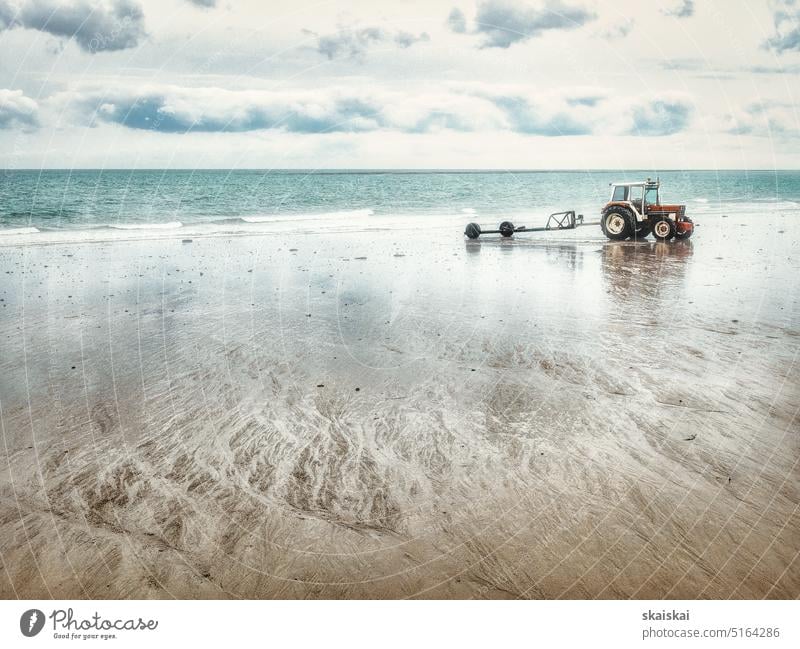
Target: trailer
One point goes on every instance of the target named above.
(556, 221)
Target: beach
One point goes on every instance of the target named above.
(388, 411)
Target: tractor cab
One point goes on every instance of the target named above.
(640, 195)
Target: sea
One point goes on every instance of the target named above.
(40, 201)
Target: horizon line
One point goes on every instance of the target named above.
(400, 169)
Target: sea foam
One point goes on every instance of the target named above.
(10, 231)
(146, 226)
(349, 214)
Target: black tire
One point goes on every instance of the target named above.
(683, 236)
(663, 229)
(473, 231)
(506, 228)
(643, 231)
(617, 223)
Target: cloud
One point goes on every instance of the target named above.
(353, 43)
(505, 22)
(17, 110)
(619, 30)
(585, 100)
(591, 111)
(787, 27)
(7, 13)
(172, 109)
(103, 25)
(660, 117)
(350, 43)
(407, 39)
(775, 69)
(204, 3)
(684, 10)
(764, 119)
(682, 65)
(699, 68)
(704, 69)
(462, 108)
(456, 21)
(527, 117)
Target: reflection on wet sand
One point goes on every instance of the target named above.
(655, 270)
(348, 416)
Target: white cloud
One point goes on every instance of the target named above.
(505, 22)
(102, 25)
(592, 111)
(764, 119)
(174, 109)
(456, 107)
(619, 29)
(684, 9)
(17, 110)
(661, 116)
(7, 13)
(407, 39)
(354, 42)
(456, 21)
(786, 19)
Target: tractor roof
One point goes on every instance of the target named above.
(641, 183)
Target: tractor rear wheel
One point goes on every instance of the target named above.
(663, 229)
(616, 223)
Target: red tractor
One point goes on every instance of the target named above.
(635, 210)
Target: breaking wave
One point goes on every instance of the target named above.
(10, 231)
(172, 225)
(324, 215)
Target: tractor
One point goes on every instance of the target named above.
(635, 210)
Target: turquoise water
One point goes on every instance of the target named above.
(56, 200)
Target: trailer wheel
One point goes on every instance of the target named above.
(506, 228)
(616, 223)
(663, 229)
(473, 230)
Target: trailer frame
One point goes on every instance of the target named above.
(566, 220)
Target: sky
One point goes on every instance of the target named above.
(410, 84)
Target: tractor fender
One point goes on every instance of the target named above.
(628, 206)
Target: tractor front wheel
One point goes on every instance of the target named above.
(616, 224)
(663, 229)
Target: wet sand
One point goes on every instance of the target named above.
(388, 414)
